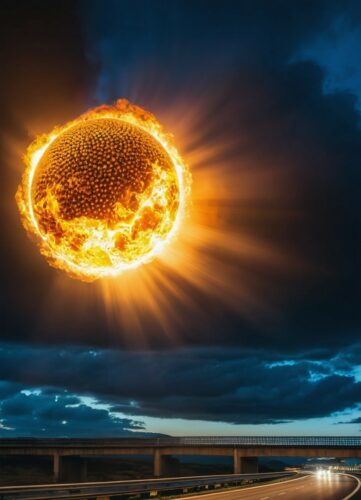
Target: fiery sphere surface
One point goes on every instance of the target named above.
(103, 193)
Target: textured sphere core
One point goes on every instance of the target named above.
(96, 164)
(104, 194)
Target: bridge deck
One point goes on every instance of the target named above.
(204, 441)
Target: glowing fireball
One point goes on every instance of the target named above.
(103, 193)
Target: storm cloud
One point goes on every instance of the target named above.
(34, 412)
(233, 387)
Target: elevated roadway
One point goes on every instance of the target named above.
(70, 454)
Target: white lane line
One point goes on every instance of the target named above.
(250, 488)
(353, 492)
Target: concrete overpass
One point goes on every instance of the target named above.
(69, 455)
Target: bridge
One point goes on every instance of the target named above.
(69, 455)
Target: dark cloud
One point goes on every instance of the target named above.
(226, 386)
(183, 43)
(7, 389)
(34, 412)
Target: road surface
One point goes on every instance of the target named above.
(326, 487)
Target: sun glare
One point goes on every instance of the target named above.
(104, 193)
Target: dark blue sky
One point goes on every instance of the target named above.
(261, 334)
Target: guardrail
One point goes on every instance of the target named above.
(239, 441)
(116, 488)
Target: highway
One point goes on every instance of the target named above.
(111, 489)
(311, 486)
(315, 487)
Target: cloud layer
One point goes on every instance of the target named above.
(56, 390)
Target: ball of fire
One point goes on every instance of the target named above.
(103, 193)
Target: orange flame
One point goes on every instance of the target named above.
(90, 248)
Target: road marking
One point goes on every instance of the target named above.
(353, 492)
(219, 493)
(263, 498)
(282, 493)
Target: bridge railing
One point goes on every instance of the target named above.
(236, 441)
(287, 441)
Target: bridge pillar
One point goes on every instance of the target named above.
(236, 462)
(157, 462)
(163, 464)
(244, 465)
(56, 468)
(69, 469)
